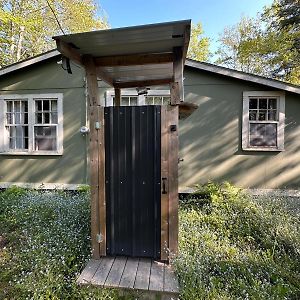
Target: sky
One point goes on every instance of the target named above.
(214, 15)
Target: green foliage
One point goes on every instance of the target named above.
(199, 45)
(268, 45)
(27, 26)
(48, 242)
(232, 247)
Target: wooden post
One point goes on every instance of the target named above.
(173, 178)
(178, 74)
(97, 165)
(164, 246)
(117, 97)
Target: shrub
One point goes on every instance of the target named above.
(232, 247)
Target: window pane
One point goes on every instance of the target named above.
(17, 106)
(157, 100)
(9, 118)
(149, 100)
(262, 103)
(166, 100)
(17, 118)
(263, 135)
(18, 137)
(9, 106)
(125, 101)
(253, 104)
(262, 116)
(39, 118)
(46, 105)
(54, 119)
(38, 105)
(54, 105)
(252, 115)
(46, 118)
(45, 138)
(133, 101)
(272, 103)
(272, 115)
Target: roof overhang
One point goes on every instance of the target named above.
(132, 56)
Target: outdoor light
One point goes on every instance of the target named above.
(142, 90)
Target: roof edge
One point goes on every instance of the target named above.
(28, 62)
(243, 76)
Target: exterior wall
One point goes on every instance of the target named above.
(210, 139)
(69, 168)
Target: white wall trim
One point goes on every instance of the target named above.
(243, 76)
(31, 115)
(281, 120)
(43, 186)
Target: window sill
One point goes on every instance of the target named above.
(45, 153)
(263, 149)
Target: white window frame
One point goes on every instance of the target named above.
(141, 98)
(4, 147)
(281, 120)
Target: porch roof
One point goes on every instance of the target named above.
(131, 56)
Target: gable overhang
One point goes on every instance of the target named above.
(132, 56)
(243, 76)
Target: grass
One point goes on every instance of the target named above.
(231, 246)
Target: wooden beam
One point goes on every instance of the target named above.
(68, 51)
(178, 71)
(134, 59)
(164, 224)
(143, 83)
(174, 93)
(117, 101)
(173, 179)
(187, 35)
(97, 161)
(104, 76)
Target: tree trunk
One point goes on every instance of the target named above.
(20, 42)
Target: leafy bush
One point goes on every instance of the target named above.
(232, 247)
(48, 243)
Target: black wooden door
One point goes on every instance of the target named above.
(133, 171)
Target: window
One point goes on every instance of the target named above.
(31, 124)
(263, 121)
(131, 98)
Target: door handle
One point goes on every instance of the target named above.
(164, 185)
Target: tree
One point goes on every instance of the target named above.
(26, 26)
(199, 45)
(268, 45)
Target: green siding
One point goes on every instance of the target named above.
(71, 167)
(210, 139)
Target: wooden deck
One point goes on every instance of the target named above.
(132, 274)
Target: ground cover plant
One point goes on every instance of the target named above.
(231, 246)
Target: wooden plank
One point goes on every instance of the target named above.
(103, 270)
(129, 274)
(174, 93)
(103, 75)
(157, 277)
(88, 272)
(94, 102)
(143, 274)
(142, 83)
(114, 277)
(134, 59)
(164, 185)
(171, 284)
(101, 178)
(178, 73)
(68, 51)
(117, 97)
(173, 180)
(187, 34)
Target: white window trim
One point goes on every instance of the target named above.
(4, 150)
(141, 98)
(281, 120)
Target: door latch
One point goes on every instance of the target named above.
(164, 185)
